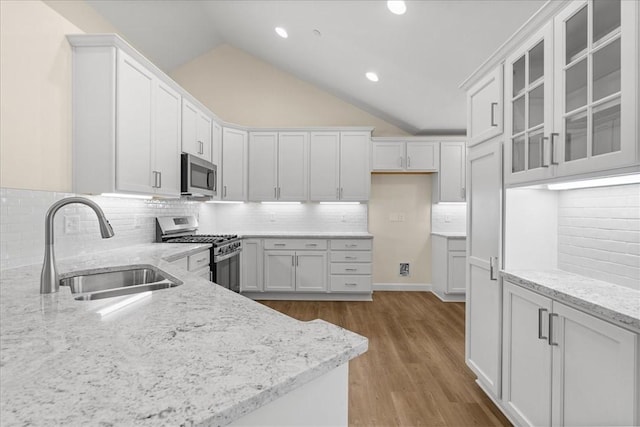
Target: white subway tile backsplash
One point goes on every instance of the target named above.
(257, 217)
(450, 218)
(599, 233)
(22, 216)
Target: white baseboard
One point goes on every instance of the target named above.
(449, 297)
(410, 287)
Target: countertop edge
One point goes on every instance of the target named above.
(605, 313)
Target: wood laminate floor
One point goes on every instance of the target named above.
(414, 373)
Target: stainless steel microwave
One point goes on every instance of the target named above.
(198, 177)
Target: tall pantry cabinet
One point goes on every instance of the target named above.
(568, 81)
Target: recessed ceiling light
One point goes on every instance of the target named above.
(372, 76)
(282, 32)
(397, 6)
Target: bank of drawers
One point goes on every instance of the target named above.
(350, 266)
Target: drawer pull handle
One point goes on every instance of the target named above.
(312, 244)
(279, 244)
(353, 245)
(350, 257)
(551, 316)
(540, 336)
(350, 269)
(201, 260)
(351, 284)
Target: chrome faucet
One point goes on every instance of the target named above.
(49, 282)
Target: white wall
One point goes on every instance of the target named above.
(403, 241)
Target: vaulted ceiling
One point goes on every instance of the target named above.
(421, 57)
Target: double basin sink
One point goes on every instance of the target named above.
(115, 283)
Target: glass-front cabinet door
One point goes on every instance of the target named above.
(596, 63)
(529, 104)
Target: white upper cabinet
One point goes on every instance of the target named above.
(596, 73)
(355, 178)
(234, 164)
(572, 94)
(263, 166)
(166, 149)
(126, 123)
(404, 156)
(134, 111)
(293, 154)
(324, 166)
(278, 166)
(216, 155)
(339, 166)
(484, 108)
(529, 110)
(450, 181)
(196, 131)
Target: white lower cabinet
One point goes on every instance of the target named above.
(563, 367)
(310, 268)
(251, 277)
(197, 263)
(449, 259)
(295, 271)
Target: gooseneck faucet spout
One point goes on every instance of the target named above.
(49, 282)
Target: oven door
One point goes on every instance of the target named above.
(198, 177)
(226, 273)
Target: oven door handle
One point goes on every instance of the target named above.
(219, 258)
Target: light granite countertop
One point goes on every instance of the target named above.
(450, 234)
(608, 301)
(196, 354)
(308, 234)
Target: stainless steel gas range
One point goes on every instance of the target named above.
(225, 253)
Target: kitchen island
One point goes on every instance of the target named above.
(196, 354)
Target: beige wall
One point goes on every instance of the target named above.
(35, 92)
(242, 89)
(401, 241)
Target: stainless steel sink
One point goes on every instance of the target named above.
(124, 281)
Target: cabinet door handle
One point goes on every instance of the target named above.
(401, 162)
(337, 194)
(553, 148)
(540, 336)
(155, 179)
(408, 161)
(341, 193)
(293, 261)
(159, 179)
(278, 193)
(275, 192)
(463, 193)
(225, 191)
(542, 164)
(492, 267)
(551, 316)
(296, 260)
(493, 113)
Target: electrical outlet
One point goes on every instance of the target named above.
(272, 216)
(71, 224)
(404, 269)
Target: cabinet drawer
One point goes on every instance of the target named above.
(351, 256)
(295, 244)
(199, 260)
(350, 268)
(457, 245)
(350, 284)
(351, 244)
(182, 263)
